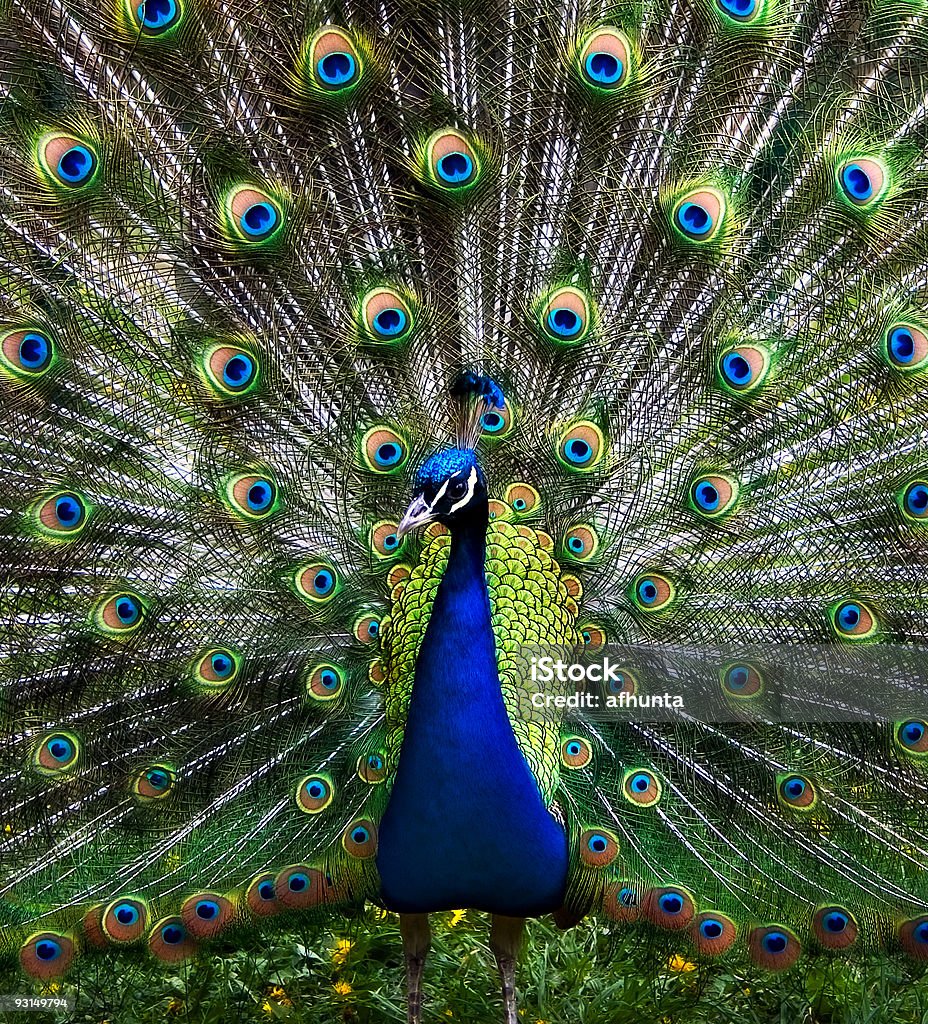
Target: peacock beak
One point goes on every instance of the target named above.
(418, 514)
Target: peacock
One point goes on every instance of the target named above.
(357, 356)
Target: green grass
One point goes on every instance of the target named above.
(351, 972)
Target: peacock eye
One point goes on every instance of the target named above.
(457, 488)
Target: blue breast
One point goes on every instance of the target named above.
(466, 825)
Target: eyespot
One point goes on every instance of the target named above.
(741, 680)
(252, 216)
(620, 681)
(360, 839)
(698, 215)
(912, 736)
(120, 614)
(642, 787)
(913, 500)
(622, 903)
(669, 907)
(652, 592)
(581, 448)
(383, 450)
(386, 317)
(125, 920)
(153, 18)
(367, 629)
(834, 927)
(497, 422)
(384, 541)
(774, 947)
(261, 895)
(46, 955)
(797, 792)
(372, 768)
(57, 752)
(253, 496)
(62, 516)
(605, 60)
(26, 353)
(743, 369)
(68, 162)
(206, 914)
(314, 793)
(217, 668)
(576, 752)
(231, 370)
(580, 543)
(593, 636)
(299, 887)
(523, 499)
(905, 347)
(862, 181)
(739, 10)
(155, 782)
(712, 933)
(318, 582)
(913, 937)
(450, 161)
(325, 682)
(565, 315)
(853, 620)
(598, 847)
(170, 942)
(713, 495)
(334, 62)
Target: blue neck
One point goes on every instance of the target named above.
(465, 825)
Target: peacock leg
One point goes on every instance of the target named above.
(505, 940)
(416, 941)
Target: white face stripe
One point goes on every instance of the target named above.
(441, 491)
(471, 487)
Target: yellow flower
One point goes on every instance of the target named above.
(457, 916)
(381, 914)
(279, 995)
(54, 987)
(266, 1007)
(677, 963)
(449, 1013)
(342, 948)
(342, 988)
(176, 1006)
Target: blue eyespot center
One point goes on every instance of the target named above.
(259, 219)
(323, 582)
(710, 928)
(61, 749)
(647, 592)
(360, 835)
(519, 504)
(916, 499)
(127, 610)
(260, 496)
(912, 732)
(628, 897)
(337, 68)
(316, 790)
(76, 165)
(707, 496)
(492, 422)
(738, 8)
(902, 345)
(390, 542)
(34, 351)
(641, 782)
(794, 787)
(388, 454)
(597, 843)
(266, 890)
(157, 15)
(390, 322)
(68, 510)
(671, 903)
(455, 168)
(375, 762)
(373, 627)
(920, 932)
(238, 371)
(603, 68)
(574, 748)
(578, 451)
(575, 544)
(857, 182)
(737, 677)
(848, 616)
(694, 219)
(564, 322)
(47, 950)
(835, 921)
(172, 934)
(222, 664)
(775, 942)
(297, 882)
(157, 778)
(328, 678)
(206, 910)
(126, 914)
(737, 369)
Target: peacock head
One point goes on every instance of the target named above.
(450, 488)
